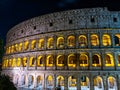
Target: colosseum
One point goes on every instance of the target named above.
(68, 50)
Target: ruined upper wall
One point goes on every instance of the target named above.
(66, 20)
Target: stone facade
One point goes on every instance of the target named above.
(72, 50)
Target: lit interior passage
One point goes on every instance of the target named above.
(49, 82)
(72, 83)
(60, 42)
(39, 82)
(85, 83)
(112, 83)
(98, 83)
(60, 82)
(83, 60)
(109, 61)
(82, 40)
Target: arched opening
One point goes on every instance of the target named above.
(98, 83)
(50, 82)
(26, 45)
(23, 80)
(60, 60)
(16, 47)
(18, 62)
(94, 40)
(33, 44)
(20, 46)
(50, 43)
(24, 61)
(117, 39)
(49, 61)
(60, 83)
(85, 83)
(82, 40)
(112, 85)
(41, 43)
(71, 60)
(30, 81)
(109, 61)
(60, 42)
(72, 83)
(14, 62)
(32, 61)
(39, 82)
(96, 60)
(119, 60)
(83, 60)
(40, 61)
(71, 41)
(106, 40)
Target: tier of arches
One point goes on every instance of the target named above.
(72, 60)
(62, 82)
(60, 42)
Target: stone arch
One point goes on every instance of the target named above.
(112, 84)
(49, 82)
(60, 60)
(23, 80)
(72, 83)
(84, 83)
(98, 83)
(50, 42)
(117, 39)
(96, 60)
(83, 59)
(71, 60)
(39, 82)
(82, 39)
(94, 40)
(109, 61)
(106, 40)
(60, 42)
(60, 82)
(71, 41)
(31, 81)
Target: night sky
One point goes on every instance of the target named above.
(13, 12)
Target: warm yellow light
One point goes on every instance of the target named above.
(39, 61)
(33, 44)
(49, 61)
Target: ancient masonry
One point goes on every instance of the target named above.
(69, 50)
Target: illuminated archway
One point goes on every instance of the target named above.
(71, 60)
(30, 81)
(41, 43)
(96, 60)
(39, 82)
(94, 40)
(49, 61)
(98, 83)
(109, 61)
(49, 82)
(85, 83)
(83, 60)
(60, 60)
(50, 43)
(33, 44)
(72, 83)
(82, 40)
(26, 45)
(60, 42)
(60, 82)
(106, 40)
(40, 61)
(71, 41)
(112, 85)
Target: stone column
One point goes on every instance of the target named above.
(78, 82)
(90, 59)
(89, 40)
(105, 83)
(91, 82)
(66, 83)
(35, 81)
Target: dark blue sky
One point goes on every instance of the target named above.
(13, 12)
